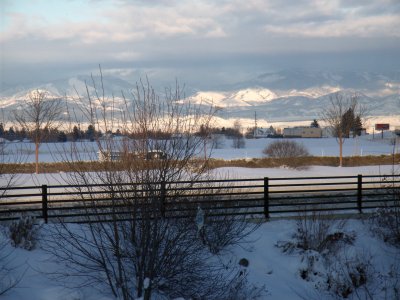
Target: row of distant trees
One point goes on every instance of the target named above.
(51, 135)
(90, 133)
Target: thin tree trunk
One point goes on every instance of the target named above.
(37, 157)
(340, 152)
(147, 294)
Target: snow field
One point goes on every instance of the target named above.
(362, 146)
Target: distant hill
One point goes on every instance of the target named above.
(279, 96)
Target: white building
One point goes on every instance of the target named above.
(302, 132)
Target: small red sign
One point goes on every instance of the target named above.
(382, 126)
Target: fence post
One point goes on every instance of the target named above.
(266, 197)
(359, 193)
(162, 198)
(44, 203)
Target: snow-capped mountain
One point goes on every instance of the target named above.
(245, 97)
(313, 92)
(279, 96)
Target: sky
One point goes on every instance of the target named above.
(204, 43)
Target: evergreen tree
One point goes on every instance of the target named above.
(2, 132)
(314, 124)
(357, 128)
(90, 132)
(62, 137)
(76, 133)
(347, 122)
(21, 134)
(203, 131)
(11, 134)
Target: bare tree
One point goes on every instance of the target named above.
(129, 241)
(37, 116)
(336, 116)
(238, 139)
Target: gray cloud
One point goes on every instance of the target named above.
(186, 36)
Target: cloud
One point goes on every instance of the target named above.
(130, 21)
(193, 34)
(375, 26)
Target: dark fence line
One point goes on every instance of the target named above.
(253, 198)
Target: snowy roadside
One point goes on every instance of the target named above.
(237, 172)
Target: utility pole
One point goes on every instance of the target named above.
(255, 124)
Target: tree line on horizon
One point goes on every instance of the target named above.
(51, 135)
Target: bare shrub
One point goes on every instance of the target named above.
(242, 290)
(6, 281)
(320, 233)
(238, 141)
(222, 232)
(10, 276)
(286, 149)
(391, 282)
(343, 275)
(23, 232)
(385, 222)
(351, 275)
(321, 241)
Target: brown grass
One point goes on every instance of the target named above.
(299, 162)
(295, 162)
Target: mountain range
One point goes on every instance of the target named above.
(290, 95)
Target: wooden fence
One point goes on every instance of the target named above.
(253, 198)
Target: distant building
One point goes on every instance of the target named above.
(110, 155)
(260, 132)
(302, 132)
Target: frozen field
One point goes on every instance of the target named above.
(362, 146)
(366, 145)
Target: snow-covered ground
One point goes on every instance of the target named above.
(237, 172)
(365, 145)
(279, 273)
(269, 267)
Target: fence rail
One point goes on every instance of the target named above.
(254, 198)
